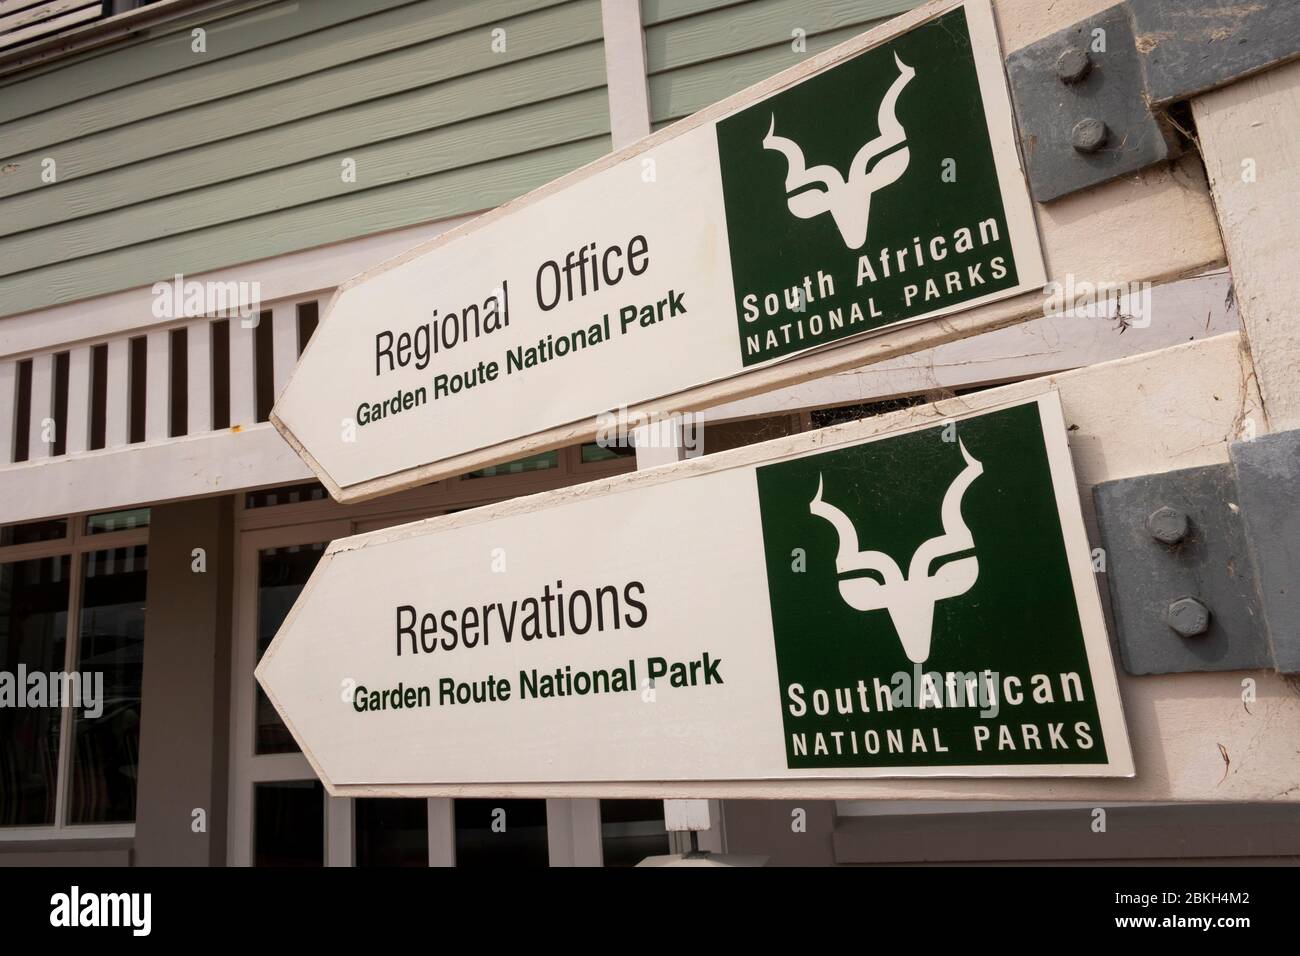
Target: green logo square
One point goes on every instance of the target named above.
(864, 196)
(901, 569)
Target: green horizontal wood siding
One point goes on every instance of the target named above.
(702, 51)
(178, 166)
(345, 217)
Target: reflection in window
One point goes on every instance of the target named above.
(392, 832)
(285, 495)
(110, 642)
(547, 459)
(117, 521)
(631, 830)
(33, 633)
(501, 833)
(281, 575)
(592, 452)
(289, 823)
(52, 530)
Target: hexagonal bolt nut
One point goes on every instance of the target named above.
(1089, 135)
(1189, 617)
(1167, 525)
(1073, 65)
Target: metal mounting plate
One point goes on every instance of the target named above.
(1112, 90)
(1212, 564)
(1189, 46)
(1268, 489)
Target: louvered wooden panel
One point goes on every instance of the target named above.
(22, 21)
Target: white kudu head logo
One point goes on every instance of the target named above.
(848, 200)
(910, 600)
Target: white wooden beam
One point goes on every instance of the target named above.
(293, 275)
(686, 815)
(157, 404)
(130, 475)
(625, 71)
(284, 342)
(198, 377)
(8, 409)
(340, 824)
(243, 370)
(1249, 135)
(1176, 312)
(40, 432)
(573, 832)
(588, 843)
(442, 832)
(117, 397)
(78, 427)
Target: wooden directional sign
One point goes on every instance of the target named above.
(840, 604)
(882, 190)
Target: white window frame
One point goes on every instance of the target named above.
(76, 544)
(572, 826)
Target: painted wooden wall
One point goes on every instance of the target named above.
(167, 160)
(700, 51)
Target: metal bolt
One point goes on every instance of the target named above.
(1073, 65)
(1089, 135)
(1167, 525)
(1189, 617)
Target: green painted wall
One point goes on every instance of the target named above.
(701, 51)
(168, 160)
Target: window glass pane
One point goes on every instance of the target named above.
(281, 575)
(287, 495)
(110, 649)
(501, 833)
(51, 530)
(33, 630)
(631, 830)
(392, 832)
(593, 452)
(549, 459)
(289, 823)
(117, 521)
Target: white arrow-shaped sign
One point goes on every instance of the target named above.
(839, 604)
(874, 186)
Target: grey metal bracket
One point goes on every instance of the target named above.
(1190, 46)
(1268, 493)
(1202, 563)
(1082, 110)
(1090, 99)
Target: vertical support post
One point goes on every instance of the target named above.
(8, 410)
(243, 369)
(1249, 136)
(184, 747)
(661, 444)
(157, 401)
(625, 71)
(40, 435)
(573, 832)
(339, 826)
(78, 427)
(198, 377)
(701, 819)
(442, 831)
(117, 405)
(284, 342)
